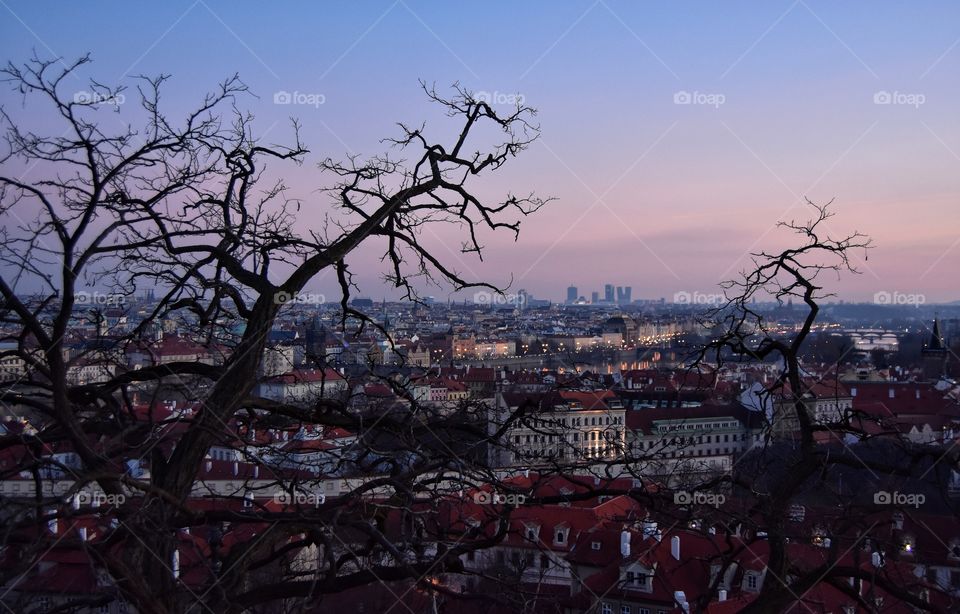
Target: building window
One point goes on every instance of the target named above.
(625, 609)
(595, 545)
(752, 581)
(606, 608)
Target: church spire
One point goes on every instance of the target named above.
(935, 355)
(936, 340)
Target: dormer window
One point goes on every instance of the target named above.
(638, 578)
(751, 581)
(897, 518)
(532, 533)
(595, 545)
(560, 536)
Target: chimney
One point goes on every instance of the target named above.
(175, 563)
(625, 543)
(722, 595)
(891, 393)
(236, 468)
(675, 547)
(918, 393)
(209, 466)
(876, 558)
(83, 533)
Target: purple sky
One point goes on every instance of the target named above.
(662, 196)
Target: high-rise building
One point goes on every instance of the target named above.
(571, 294)
(523, 299)
(623, 295)
(608, 293)
(594, 298)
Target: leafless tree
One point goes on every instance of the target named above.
(194, 211)
(187, 208)
(776, 477)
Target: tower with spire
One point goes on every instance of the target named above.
(934, 355)
(315, 338)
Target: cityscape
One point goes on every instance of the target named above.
(299, 316)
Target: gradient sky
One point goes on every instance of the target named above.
(661, 196)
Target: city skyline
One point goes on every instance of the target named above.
(711, 137)
(582, 307)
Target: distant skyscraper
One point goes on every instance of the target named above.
(608, 293)
(595, 297)
(523, 299)
(623, 295)
(572, 294)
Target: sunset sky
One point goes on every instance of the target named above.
(852, 101)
